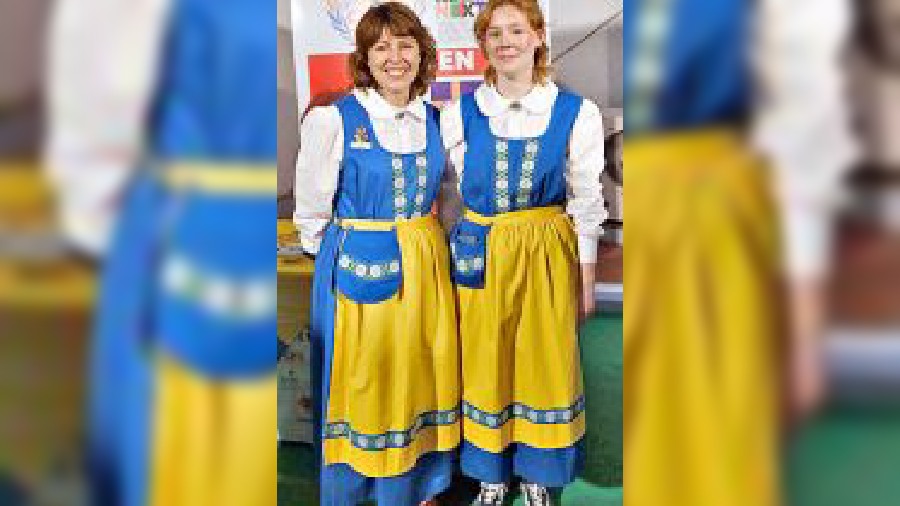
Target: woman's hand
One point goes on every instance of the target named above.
(806, 376)
(587, 302)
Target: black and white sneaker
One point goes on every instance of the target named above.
(492, 494)
(536, 495)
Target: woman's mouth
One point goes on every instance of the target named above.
(507, 55)
(396, 72)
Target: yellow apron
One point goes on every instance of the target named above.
(700, 372)
(214, 443)
(395, 366)
(520, 355)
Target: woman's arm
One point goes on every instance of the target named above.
(102, 66)
(318, 167)
(804, 127)
(585, 197)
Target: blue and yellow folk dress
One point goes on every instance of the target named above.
(383, 327)
(515, 266)
(183, 407)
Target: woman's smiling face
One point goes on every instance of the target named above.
(510, 42)
(394, 61)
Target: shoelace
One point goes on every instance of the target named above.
(536, 495)
(492, 494)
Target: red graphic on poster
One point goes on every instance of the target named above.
(329, 77)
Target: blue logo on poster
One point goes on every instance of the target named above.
(344, 15)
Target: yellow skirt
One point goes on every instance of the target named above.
(520, 355)
(214, 444)
(395, 365)
(700, 372)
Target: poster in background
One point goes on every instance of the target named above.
(323, 39)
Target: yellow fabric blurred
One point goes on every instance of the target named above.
(205, 434)
(700, 375)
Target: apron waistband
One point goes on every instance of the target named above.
(690, 148)
(381, 225)
(222, 178)
(535, 214)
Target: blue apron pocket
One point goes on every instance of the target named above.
(468, 251)
(217, 288)
(369, 266)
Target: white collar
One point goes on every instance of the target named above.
(538, 101)
(379, 108)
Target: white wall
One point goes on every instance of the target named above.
(594, 68)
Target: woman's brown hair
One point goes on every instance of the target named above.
(400, 21)
(532, 11)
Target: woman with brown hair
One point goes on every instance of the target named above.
(383, 326)
(528, 157)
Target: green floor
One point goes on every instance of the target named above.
(848, 457)
(601, 484)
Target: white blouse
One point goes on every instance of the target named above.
(584, 202)
(399, 130)
(102, 69)
(803, 122)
